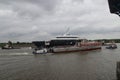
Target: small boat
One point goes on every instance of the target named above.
(111, 46)
(40, 51)
(7, 47)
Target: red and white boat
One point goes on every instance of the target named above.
(68, 43)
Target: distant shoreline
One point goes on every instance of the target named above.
(19, 45)
(30, 44)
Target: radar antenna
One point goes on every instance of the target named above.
(67, 31)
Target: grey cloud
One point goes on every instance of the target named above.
(32, 8)
(47, 4)
(92, 30)
(29, 20)
(81, 1)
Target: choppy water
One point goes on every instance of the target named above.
(21, 64)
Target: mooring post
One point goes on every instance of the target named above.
(118, 70)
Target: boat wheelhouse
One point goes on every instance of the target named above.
(64, 40)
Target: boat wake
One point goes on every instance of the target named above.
(16, 54)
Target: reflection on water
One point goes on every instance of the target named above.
(21, 64)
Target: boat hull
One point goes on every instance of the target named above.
(111, 47)
(74, 49)
(9, 48)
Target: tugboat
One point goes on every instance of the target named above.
(40, 51)
(9, 45)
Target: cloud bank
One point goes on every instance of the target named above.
(31, 20)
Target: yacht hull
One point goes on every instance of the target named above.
(74, 49)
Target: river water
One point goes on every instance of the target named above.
(21, 64)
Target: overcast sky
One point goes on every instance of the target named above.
(31, 20)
